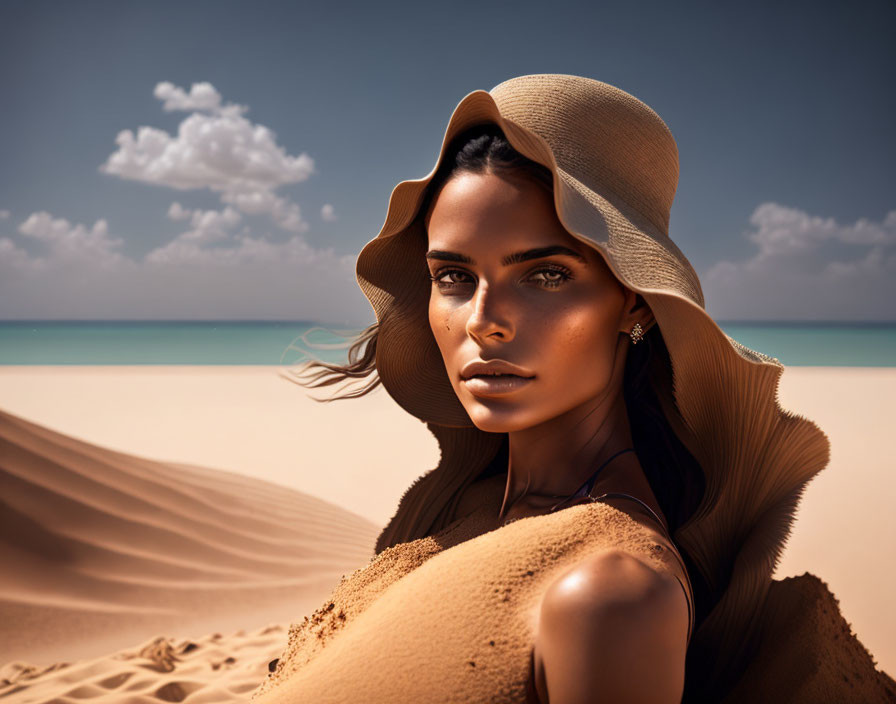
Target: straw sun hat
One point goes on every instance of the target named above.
(615, 171)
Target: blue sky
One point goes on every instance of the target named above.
(122, 193)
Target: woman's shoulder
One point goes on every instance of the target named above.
(626, 554)
(614, 584)
(624, 613)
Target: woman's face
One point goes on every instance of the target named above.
(555, 314)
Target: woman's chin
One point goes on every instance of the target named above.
(498, 420)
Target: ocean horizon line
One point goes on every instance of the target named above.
(253, 341)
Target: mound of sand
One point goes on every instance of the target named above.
(809, 653)
(102, 549)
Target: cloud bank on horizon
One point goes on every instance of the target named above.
(804, 266)
(807, 267)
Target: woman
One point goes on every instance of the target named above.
(533, 311)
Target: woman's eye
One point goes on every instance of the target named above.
(443, 279)
(552, 277)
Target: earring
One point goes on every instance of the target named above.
(637, 333)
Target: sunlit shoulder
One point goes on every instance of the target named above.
(612, 628)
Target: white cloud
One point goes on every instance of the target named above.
(808, 267)
(196, 275)
(221, 153)
(67, 242)
(328, 213)
(177, 212)
(13, 259)
(207, 225)
(286, 214)
(215, 148)
(202, 96)
(780, 230)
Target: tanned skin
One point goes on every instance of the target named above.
(611, 628)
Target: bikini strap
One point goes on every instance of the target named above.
(620, 495)
(588, 484)
(689, 590)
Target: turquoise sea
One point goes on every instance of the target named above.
(290, 342)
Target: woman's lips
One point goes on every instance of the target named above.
(495, 385)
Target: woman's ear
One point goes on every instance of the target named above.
(637, 311)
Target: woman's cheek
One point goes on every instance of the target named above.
(444, 328)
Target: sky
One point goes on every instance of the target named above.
(199, 160)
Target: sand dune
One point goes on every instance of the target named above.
(103, 549)
(243, 419)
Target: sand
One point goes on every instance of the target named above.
(245, 419)
(216, 668)
(111, 550)
(480, 591)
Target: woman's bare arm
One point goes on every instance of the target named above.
(612, 629)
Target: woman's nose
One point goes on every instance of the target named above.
(491, 316)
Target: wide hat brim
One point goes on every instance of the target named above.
(756, 456)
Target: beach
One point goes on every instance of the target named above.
(214, 505)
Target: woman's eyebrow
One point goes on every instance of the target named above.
(515, 258)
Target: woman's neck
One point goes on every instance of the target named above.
(555, 458)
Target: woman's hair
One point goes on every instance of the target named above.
(675, 476)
